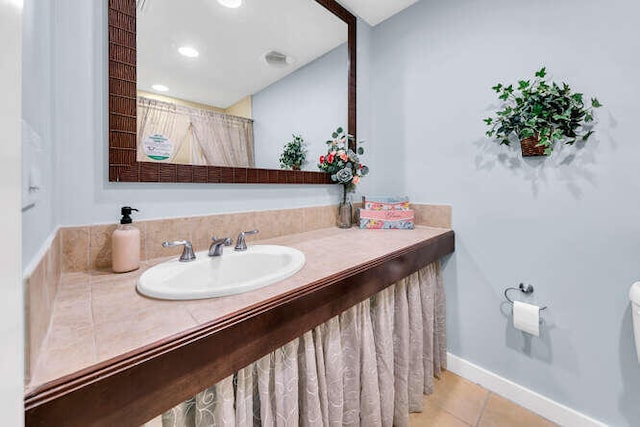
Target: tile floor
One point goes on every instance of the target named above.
(457, 402)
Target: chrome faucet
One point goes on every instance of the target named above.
(187, 252)
(241, 245)
(218, 244)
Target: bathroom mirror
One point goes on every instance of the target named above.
(211, 93)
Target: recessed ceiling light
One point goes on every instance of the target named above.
(232, 4)
(188, 51)
(18, 4)
(160, 88)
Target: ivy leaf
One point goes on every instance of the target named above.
(505, 141)
(527, 133)
(543, 142)
(497, 87)
(489, 133)
(595, 103)
(548, 151)
(537, 109)
(523, 84)
(588, 117)
(488, 120)
(587, 135)
(542, 72)
(504, 96)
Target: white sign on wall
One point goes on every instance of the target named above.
(157, 147)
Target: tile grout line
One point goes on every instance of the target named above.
(451, 413)
(93, 320)
(484, 406)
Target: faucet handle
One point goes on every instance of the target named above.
(241, 245)
(187, 252)
(216, 245)
(227, 241)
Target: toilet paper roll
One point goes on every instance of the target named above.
(526, 317)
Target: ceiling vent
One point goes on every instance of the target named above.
(278, 59)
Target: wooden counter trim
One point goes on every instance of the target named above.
(137, 386)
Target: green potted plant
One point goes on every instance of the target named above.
(541, 113)
(294, 154)
(345, 168)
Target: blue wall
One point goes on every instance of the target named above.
(567, 224)
(38, 153)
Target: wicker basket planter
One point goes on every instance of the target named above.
(530, 147)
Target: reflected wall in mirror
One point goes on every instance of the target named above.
(220, 91)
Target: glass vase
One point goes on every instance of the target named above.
(345, 212)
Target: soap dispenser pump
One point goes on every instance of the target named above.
(125, 244)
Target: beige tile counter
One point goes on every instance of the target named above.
(99, 316)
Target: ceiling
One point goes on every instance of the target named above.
(231, 43)
(376, 11)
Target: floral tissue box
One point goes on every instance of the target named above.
(386, 203)
(388, 212)
(386, 219)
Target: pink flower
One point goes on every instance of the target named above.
(321, 159)
(344, 156)
(356, 179)
(330, 157)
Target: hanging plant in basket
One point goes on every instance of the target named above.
(541, 113)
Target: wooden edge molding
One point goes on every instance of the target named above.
(123, 164)
(135, 387)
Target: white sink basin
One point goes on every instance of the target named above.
(229, 274)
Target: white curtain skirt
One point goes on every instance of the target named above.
(368, 366)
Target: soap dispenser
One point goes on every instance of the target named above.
(125, 244)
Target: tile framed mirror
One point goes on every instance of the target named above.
(205, 92)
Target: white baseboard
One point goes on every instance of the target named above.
(541, 405)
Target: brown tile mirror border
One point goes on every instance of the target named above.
(123, 166)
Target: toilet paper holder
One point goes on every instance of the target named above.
(524, 289)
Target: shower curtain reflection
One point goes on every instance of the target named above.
(368, 366)
(196, 136)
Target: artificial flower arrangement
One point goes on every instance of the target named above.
(342, 162)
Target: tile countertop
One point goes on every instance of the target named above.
(98, 316)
